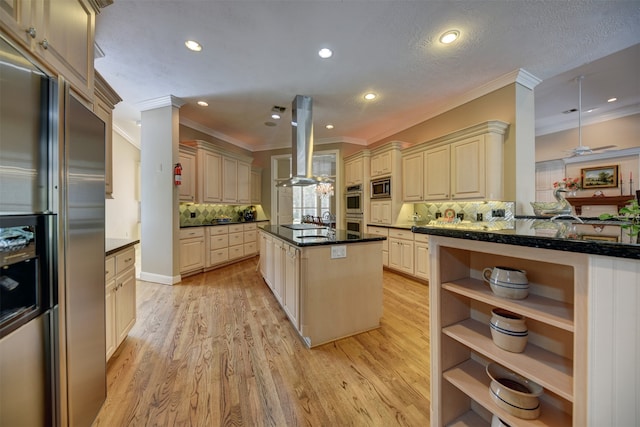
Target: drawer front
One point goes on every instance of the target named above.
(125, 259)
(250, 236)
(250, 248)
(236, 228)
(236, 239)
(236, 252)
(187, 233)
(218, 242)
(218, 256)
(421, 237)
(378, 231)
(109, 268)
(249, 227)
(400, 234)
(218, 229)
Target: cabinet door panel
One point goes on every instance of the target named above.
(211, 177)
(229, 180)
(436, 173)
(244, 182)
(468, 168)
(125, 304)
(412, 170)
(187, 190)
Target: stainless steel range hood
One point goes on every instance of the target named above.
(302, 143)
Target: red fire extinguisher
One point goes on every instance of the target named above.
(177, 174)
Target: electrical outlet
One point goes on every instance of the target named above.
(497, 213)
(192, 214)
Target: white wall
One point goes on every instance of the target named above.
(122, 211)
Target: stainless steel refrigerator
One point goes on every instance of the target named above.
(82, 156)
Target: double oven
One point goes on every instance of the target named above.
(354, 196)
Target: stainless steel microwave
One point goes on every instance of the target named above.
(381, 188)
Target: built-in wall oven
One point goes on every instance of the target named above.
(354, 225)
(354, 200)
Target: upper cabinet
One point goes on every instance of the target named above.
(220, 177)
(187, 189)
(465, 165)
(60, 33)
(256, 186)
(104, 101)
(382, 164)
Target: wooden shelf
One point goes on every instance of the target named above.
(471, 378)
(579, 202)
(546, 310)
(469, 419)
(551, 371)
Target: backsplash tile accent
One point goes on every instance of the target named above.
(470, 210)
(206, 213)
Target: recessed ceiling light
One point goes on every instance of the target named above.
(612, 99)
(591, 110)
(275, 116)
(325, 53)
(193, 45)
(329, 126)
(449, 37)
(203, 103)
(370, 96)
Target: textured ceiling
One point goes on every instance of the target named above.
(257, 54)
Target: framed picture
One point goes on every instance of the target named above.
(600, 177)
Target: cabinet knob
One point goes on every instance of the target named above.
(45, 44)
(31, 32)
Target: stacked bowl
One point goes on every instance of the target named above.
(514, 393)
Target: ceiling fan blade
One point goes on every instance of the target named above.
(604, 147)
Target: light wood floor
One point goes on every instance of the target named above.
(217, 350)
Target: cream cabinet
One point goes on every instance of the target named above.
(236, 241)
(104, 101)
(209, 177)
(381, 212)
(464, 165)
(266, 258)
(187, 189)
(221, 177)
(401, 250)
(421, 256)
(191, 249)
(412, 171)
(60, 33)
(381, 164)
(218, 245)
(227, 243)
(291, 292)
(250, 240)
(354, 171)
(278, 258)
(461, 346)
(382, 231)
(120, 297)
(256, 186)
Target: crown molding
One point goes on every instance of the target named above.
(571, 122)
(215, 134)
(163, 101)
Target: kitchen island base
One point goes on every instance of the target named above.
(328, 291)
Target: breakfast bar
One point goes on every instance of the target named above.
(581, 313)
(328, 282)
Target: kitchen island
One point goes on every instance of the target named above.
(581, 313)
(328, 283)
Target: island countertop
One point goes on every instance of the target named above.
(593, 237)
(315, 235)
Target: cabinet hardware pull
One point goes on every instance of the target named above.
(31, 32)
(45, 44)
(128, 260)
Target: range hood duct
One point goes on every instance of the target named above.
(302, 143)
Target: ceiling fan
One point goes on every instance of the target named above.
(581, 150)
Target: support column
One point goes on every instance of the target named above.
(160, 231)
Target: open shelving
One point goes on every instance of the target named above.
(555, 312)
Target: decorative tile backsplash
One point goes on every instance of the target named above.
(468, 211)
(206, 213)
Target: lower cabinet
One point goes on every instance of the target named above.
(381, 212)
(401, 250)
(120, 297)
(382, 231)
(191, 249)
(421, 256)
(291, 297)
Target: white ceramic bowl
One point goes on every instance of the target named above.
(508, 330)
(497, 422)
(514, 393)
(507, 282)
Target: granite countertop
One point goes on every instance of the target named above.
(317, 235)
(594, 236)
(223, 223)
(112, 246)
